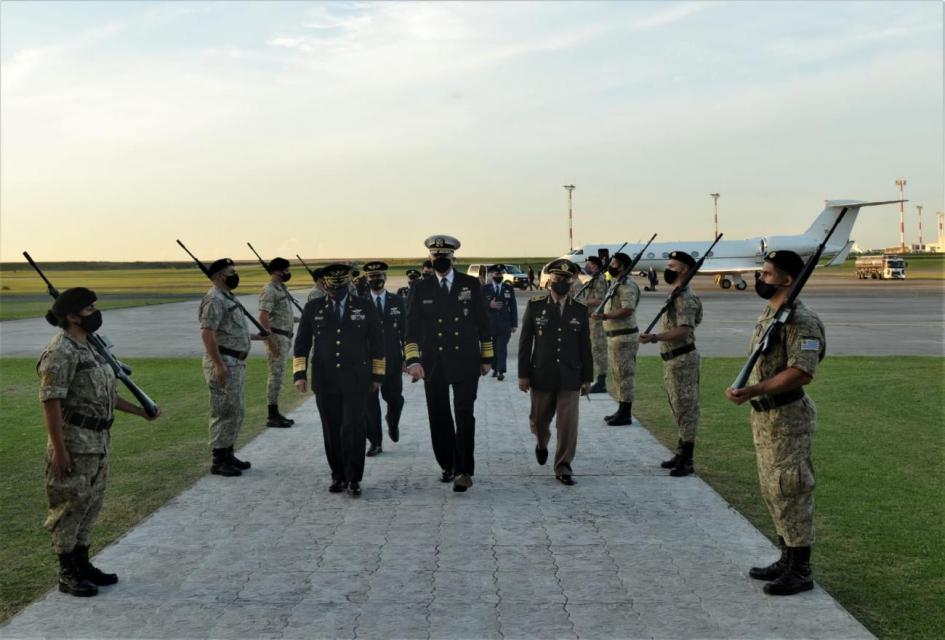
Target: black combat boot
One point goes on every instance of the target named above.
(614, 414)
(684, 464)
(775, 569)
(88, 571)
(798, 576)
(277, 420)
(669, 464)
(601, 385)
(242, 465)
(623, 415)
(221, 464)
(71, 580)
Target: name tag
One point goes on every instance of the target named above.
(427, 301)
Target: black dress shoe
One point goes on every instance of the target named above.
(354, 488)
(446, 476)
(374, 450)
(501, 375)
(541, 455)
(568, 480)
(337, 486)
(394, 432)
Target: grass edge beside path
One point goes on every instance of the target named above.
(151, 462)
(878, 457)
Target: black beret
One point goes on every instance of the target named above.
(562, 267)
(595, 260)
(427, 264)
(219, 265)
(787, 261)
(70, 301)
(622, 258)
(278, 264)
(318, 273)
(683, 257)
(375, 266)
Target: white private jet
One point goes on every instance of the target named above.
(731, 258)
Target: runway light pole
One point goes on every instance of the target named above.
(901, 183)
(919, 207)
(715, 202)
(570, 188)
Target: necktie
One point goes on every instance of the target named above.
(444, 286)
(380, 307)
(338, 311)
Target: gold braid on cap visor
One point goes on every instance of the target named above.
(338, 281)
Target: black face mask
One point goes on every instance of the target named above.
(765, 290)
(427, 274)
(338, 293)
(285, 277)
(561, 288)
(442, 264)
(232, 281)
(376, 284)
(92, 322)
(497, 278)
(670, 276)
(613, 271)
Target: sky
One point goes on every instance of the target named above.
(354, 129)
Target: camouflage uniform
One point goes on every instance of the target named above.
(274, 300)
(783, 435)
(75, 374)
(622, 349)
(220, 315)
(681, 372)
(596, 291)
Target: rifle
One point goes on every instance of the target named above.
(786, 310)
(263, 333)
(102, 346)
(682, 285)
(588, 283)
(266, 267)
(310, 272)
(616, 282)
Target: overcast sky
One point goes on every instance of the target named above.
(358, 129)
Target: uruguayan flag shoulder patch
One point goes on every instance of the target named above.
(810, 344)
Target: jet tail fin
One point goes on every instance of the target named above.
(828, 216)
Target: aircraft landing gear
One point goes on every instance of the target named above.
(723, 281)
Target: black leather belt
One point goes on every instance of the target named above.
(280, 332)
(767, 403)
(239, 355)
(87, 422)
(681, 351)
(622, 332)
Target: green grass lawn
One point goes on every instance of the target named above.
(151, 461)
(879, 451)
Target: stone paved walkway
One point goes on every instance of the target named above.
(627, 553)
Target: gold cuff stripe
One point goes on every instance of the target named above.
(298, 364)
(378, 366)
(487, 349)
(411, 350)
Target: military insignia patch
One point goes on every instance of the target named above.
(810, 344)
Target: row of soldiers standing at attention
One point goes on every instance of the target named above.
(358, 346)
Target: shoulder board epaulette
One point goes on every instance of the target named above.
(539, 297)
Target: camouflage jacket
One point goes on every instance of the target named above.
(800, 344)
(274, 300)
(220, 315)
(686, 311)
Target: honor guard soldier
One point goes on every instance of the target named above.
(79, 396)
(620, 327)
(318, 291)
(555, 363)
(276, 316)
(226, 340)
(591, 297)
(680, 361)
(503, 317)
(391, 309)
(783, 418)
(448, 345)
(346, 335)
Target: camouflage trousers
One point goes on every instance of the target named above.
(783, 440)
(599, 348)
(681, 380)
(277, 358)
(76, 500)
(622, 361)
(226, 402)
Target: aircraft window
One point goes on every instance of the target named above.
(695, 254)
(576, 252)
(650, 254)
(665, 254)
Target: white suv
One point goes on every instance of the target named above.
(513, 274)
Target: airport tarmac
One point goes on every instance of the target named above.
(861, 317)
